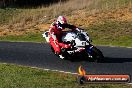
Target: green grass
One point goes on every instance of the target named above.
(124, 41)
(111, 33)
(13, 76)
(30, 37)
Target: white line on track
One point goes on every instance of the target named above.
(44, 69)
(55, 70)
(129, 83)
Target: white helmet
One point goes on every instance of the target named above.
(61, 20)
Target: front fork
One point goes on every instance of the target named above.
(89, 51)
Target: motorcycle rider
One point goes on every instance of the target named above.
(55, 33)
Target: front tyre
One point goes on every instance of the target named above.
(97, 55)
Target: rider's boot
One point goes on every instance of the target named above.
(61, 57)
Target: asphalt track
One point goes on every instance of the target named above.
(118, 60)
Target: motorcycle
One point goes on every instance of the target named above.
(80, 46)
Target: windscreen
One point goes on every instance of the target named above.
(81, 37)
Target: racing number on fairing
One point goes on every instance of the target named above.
(84, 43)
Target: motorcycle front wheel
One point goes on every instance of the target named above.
(97, 55)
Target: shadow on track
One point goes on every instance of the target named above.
(116, 60)
(105, 60)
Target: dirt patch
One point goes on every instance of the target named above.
(43, 27)
(82, 18)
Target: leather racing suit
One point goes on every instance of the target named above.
(55, 33)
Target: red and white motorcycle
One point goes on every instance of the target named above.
(81, 46)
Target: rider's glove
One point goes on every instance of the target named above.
(77, 29)
(68, 46)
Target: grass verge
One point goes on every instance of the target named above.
(13, 76)
(115, 33)
(30, 37)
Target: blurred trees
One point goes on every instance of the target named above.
(26, 3)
